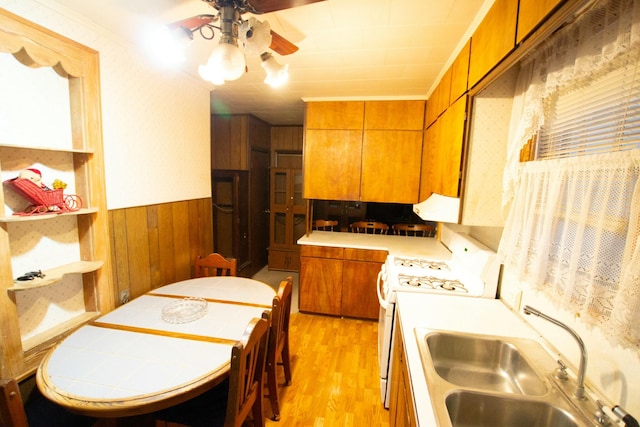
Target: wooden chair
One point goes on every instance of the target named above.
(42, 412)
(243, 394)
(12, 413)
(215, 265)
(278, 349)
(324, 225)
(369, 227)
(420, 230)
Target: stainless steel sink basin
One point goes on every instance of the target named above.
(485, 380)
(483, 362)
(477, 409)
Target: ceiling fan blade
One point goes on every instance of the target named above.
(281, 45)
(194, 22)
(266, 6)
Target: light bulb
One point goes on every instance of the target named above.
(228, 61)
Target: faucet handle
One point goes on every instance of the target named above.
(561, 371)
(600, 416)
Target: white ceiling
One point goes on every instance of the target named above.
(364, 49)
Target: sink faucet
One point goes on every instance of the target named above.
(582, 369)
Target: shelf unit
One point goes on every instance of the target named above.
(72, 249)
(287, 219)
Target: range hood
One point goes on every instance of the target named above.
(438, 208)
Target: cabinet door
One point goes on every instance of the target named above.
(430, 180)
(391, 166)
(494, 38)
(334, 115)
(359, 295)
(320, 285)
(332, 164)
(442, 152)
(460, 73)
(532, 13)
(394, 115)
(451, 143)
(288, 212)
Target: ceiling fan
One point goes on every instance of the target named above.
(227, 60)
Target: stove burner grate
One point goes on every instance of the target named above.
(430, 282)
(422, 263)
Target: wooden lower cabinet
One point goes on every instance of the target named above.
(320, 279)
(286, 260)
(401, 412)
(340, 281)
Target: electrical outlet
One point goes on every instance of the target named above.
(124, 296)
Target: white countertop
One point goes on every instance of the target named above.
(446, 312)
(427, 247)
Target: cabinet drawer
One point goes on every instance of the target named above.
(321, 251)
(365, 255)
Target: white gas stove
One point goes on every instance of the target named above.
(471, 271)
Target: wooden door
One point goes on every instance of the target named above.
(258, 194)
(230, 215)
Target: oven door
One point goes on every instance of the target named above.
(385, 334)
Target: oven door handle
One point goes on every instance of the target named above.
(383, 303)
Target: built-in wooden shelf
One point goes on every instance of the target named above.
(44, 216)
(56, 149)
(56, 274)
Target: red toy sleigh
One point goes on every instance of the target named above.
(43, 200)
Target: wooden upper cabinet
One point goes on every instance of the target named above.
(332, 164)
(493, 39)
(532, 13)
(394, 115)
(433, 106)
(460, 73)
(334, 115)
(376, 162)
(442, 152)
(450, 153)
(430, 180)
(444, 93)
(391, 166)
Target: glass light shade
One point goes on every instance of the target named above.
(227, 61)
(277, 74)
(255, 35)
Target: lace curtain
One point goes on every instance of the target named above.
(603, 38)
(572, 228)
(572, 233)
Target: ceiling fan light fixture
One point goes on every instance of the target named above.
(277, 74)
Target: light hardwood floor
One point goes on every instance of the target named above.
(335, 374)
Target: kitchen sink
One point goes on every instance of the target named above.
(483, 362)
(485, 380)
(478, 409)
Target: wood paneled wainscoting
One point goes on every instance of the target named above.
(154, 245)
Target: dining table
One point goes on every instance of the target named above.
(157, 350)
